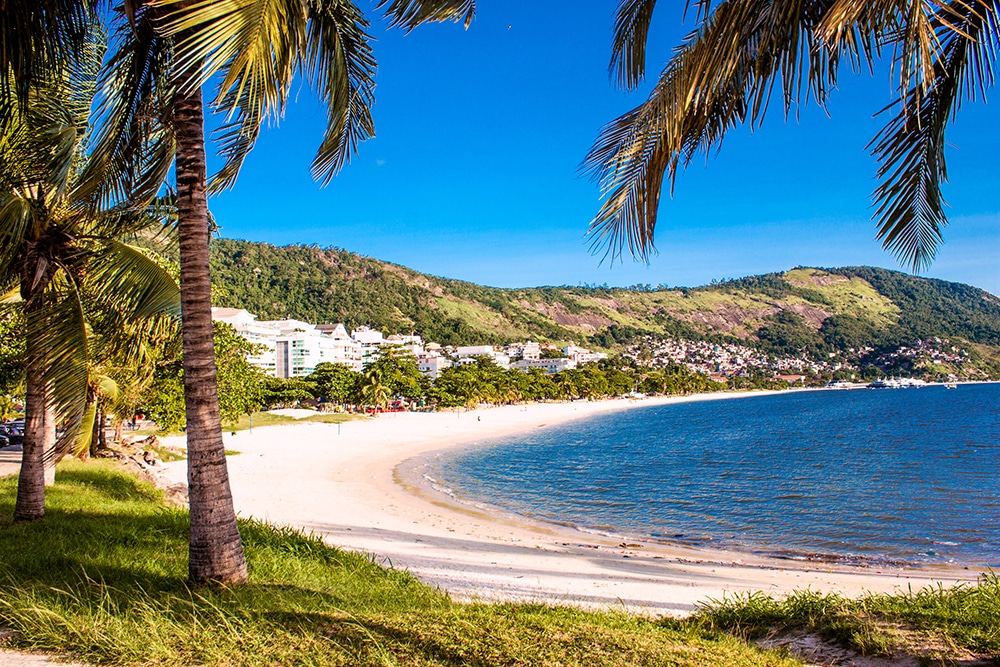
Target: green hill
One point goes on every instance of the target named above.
(804, 310)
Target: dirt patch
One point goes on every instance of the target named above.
(726, 318)
(912, 650)
(813, 316)
(558, 314)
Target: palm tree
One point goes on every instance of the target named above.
(60, 250)
(741, 50)
(373, 390)
(165, 51)
(122, 365)
(257, 54)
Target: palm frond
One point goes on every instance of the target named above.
(722, 75)
(59, 333)
(85, 434)
(910, 148)
(16, 221)
(35, 36)
(628, 47)
(408, 14)
(255, 45)
(340, 64)
(133, 149)
(126, 222)
(130, 283)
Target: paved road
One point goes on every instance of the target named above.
(10, 463)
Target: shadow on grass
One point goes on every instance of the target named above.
(109, 484)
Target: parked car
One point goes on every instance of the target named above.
(4, 442)
(12, 434)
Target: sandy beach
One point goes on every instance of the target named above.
(356, 486)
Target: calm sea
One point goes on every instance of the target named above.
(894, 475)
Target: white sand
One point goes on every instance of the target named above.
(352, 486)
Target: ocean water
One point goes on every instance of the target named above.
(904, 475)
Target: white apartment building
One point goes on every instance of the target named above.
(527, 350)
(582, 356)
(431, 365)
(299, 351)
(262, 333)
(370, 341)
(412, 344)
(340, 348)
(469, 351)
(292, 348)
(550, 366)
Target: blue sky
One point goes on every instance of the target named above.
(474, 171)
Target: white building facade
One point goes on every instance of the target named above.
(292, 348)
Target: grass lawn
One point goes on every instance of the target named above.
(261, 419)
(102, 578)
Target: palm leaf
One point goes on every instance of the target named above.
(408, 14)
(910, 148)
(133, 148)
(255, 45)
(59, 333)
(36, 35)
(340, 65)
(85, 434)
(128, 282)
(628, 49)
(722, 75)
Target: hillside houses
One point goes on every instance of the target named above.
(722, 360)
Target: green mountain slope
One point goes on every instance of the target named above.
(816, 311)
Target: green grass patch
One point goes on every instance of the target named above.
(165, 454)
(850, 296)
(102, 579)
(480, 317)
(938, 624)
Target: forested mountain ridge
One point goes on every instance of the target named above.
(816, 310)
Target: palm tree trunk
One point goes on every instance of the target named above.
(49, 457)
(102, 433)
(216, 552)
(95, 436)
(30, 503)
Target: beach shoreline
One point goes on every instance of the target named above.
(359, 486)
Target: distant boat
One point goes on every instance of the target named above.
(951, 385)
(894, 383)
(841, 384)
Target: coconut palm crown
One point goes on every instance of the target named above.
(742, 51)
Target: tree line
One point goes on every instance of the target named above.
(395, 381)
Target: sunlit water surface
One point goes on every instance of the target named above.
(905, 475)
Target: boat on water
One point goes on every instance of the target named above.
(951, 385)
(841, 384)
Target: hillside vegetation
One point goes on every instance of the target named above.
(816, 311)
